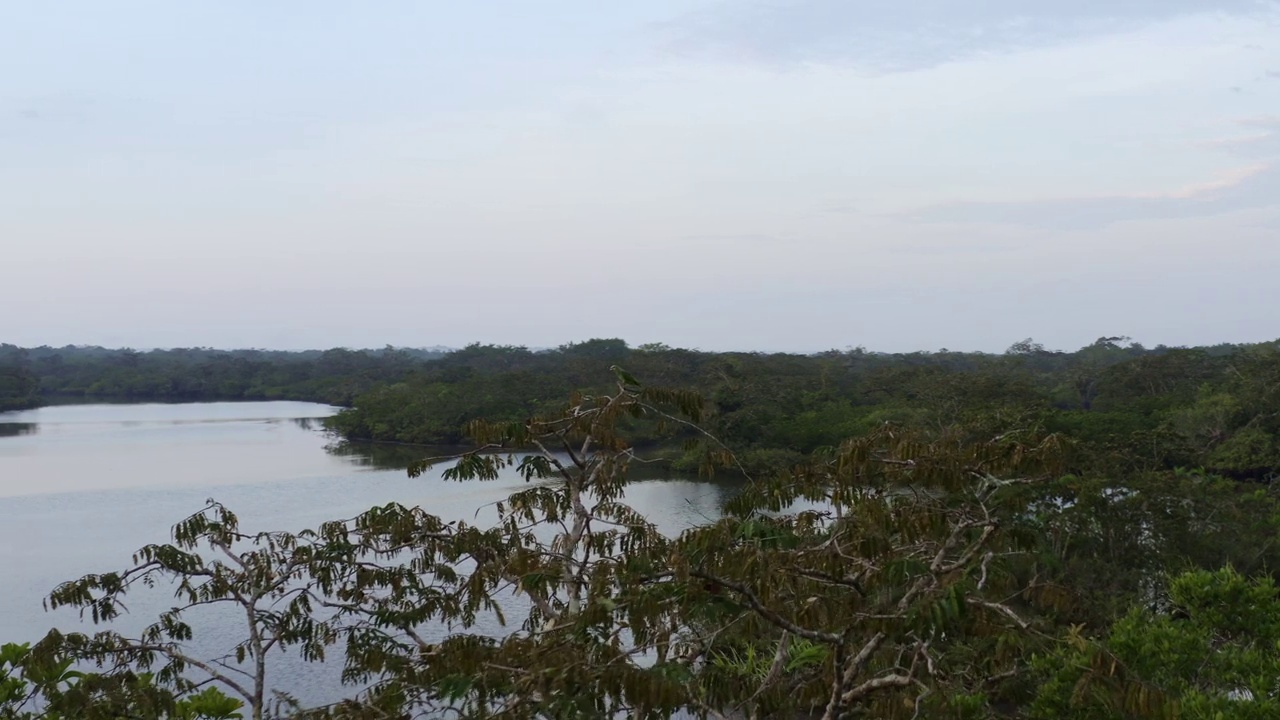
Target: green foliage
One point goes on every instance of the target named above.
(1104, 543)
(898, 582)
(19, 387)
(1210, 652)
(42, 682)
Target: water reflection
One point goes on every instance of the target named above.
(692, 497)
(14, 429)
(387, 456)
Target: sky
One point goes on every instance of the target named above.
(790, 175)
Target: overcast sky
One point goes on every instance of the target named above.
(785, 175)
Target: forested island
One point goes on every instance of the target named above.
(1029, 534)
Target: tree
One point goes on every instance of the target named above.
(41, 683)
(1025, 347)
(1091, 361)
(1209, 653)
(1110, 543)
(887, 599)
(19, 387)
(271, 578)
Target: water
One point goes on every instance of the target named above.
(84, 486)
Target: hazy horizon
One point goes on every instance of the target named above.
(547, 348)
(795, 175)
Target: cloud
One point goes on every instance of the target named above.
(1235, 142)
(1256, 185)
(967, 249)
(1228, 182)
(52, 108)
(1244, 188)
(1254, 144)
(1266, 122)
(891, 35)
(737, 240)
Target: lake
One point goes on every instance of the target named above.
(84, 486)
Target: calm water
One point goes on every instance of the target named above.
(84, 486)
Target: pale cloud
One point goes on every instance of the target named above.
(1240, 188)
(1236, 142)
(1252, 144)
(894, 36)
(1256, 186)
(1267, 122)
(1230, 181)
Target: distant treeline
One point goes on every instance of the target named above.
(32, 376)
(1125, 407)
(19, 387)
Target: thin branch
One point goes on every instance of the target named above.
(767, 614)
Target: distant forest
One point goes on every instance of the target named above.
(30, 377)
(1126, 407)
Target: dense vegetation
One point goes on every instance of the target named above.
(1129, 408)
(19, 388)
(31, 376)
(1030, 535)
